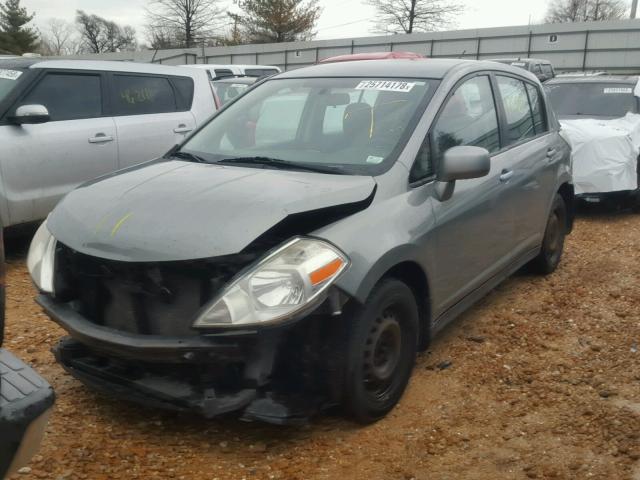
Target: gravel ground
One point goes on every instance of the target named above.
(543, 382)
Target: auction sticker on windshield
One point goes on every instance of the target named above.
(386, 85)
(10, 74)
(618, 90)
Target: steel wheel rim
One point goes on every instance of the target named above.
(383, 354)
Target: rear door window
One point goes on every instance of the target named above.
(537, 109)
(68, 96)
(547, 70)
(520, 121)
(140, 95)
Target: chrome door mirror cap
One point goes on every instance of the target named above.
(31, 114)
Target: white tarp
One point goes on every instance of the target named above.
(604, 153)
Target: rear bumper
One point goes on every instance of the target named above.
(274, 375)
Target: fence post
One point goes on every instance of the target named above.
(478, 48)
(584, 53)
(529, 44)
(352, 47)
(286, 59)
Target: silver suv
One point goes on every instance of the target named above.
(301, 247)
(65, 122)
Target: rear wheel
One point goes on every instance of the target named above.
(381, 351)
(553, 242)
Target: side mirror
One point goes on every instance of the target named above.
(30, 114)
(461, 163)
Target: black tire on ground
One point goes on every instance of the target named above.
(381, 351)
(553, 242)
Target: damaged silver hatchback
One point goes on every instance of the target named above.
(299, 249)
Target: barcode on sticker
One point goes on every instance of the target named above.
(10, 74)
(386, 85)
(618, 90)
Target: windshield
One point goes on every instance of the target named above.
(349, 124)
(592, 99)
(8, 81)
(228, 91)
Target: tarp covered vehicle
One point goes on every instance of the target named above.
(600, 119)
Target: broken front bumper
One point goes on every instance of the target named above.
(278, 375)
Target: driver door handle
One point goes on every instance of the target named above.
(182, 128)
(551, 152)
(101, 138)
(506, 175)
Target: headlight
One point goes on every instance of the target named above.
(278, 286)
(41, 258)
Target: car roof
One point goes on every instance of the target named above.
(372, 56)
(523, 60)
(17, 62)
(392, 68)
(207, 66)
(629, 79)
(98, 65)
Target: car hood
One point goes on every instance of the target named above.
(176, 210)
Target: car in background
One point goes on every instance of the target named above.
(26, 401)
(351, 57)
(543, 69)
(600, 117)
(594, 96)
(229, 88)
(64, 122)
(216, 72)
(300, 248)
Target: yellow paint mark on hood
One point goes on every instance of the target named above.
(119, 223)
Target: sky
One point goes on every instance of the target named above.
(339, 19)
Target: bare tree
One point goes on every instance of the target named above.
(564, 11)
(409, 16)
(187, 19)
(101, 35)
(59, 37)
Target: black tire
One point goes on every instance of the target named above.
(553, 242)
(381, 351)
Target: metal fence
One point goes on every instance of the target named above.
(613, 46)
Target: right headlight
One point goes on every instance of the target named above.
(278, 286)
(41, 258)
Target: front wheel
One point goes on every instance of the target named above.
(553, 242)
(381, 350)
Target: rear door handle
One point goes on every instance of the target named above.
(182, 128)
(506, 175)
(551, 153)
(101, 138)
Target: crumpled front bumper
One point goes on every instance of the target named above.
(206, 374)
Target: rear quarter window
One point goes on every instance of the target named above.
(184, 92)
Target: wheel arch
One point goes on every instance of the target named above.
(411, 273)
(566, 191)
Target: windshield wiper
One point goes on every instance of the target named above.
(192, 157)
(283, 164)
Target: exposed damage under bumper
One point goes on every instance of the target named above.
(280, 375)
